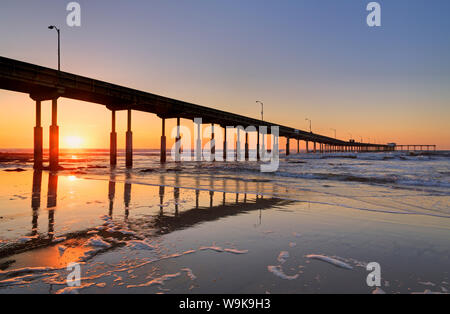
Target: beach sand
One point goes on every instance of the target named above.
(180, 229)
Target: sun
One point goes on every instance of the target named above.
(73, 141)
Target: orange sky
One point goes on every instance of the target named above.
(91, 123)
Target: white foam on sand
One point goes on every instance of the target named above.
(330, 260)
(278, 271)
(59, 239)
(378, 291)
(21, 280)
(26, 270)
(24, 276)
(283, 256)
(28, 239)
(74, 290)
(156, 281)
(127, 232)
(427, 291)
(139, 245)
(98, 242)
(189, 273)
(427, 283)
(213, 248)
(88, 254)
(110, 226)
(220, 249)
(234, 251)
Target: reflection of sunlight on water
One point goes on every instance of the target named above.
(52, 256)
(74, 157)
(72, 178)
(177, 218)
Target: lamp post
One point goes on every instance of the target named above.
(59, 45)
(310, 130)
(262, 109)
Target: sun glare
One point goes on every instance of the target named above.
(72, 178)
(73, 141)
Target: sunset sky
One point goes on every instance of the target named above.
(313, 59)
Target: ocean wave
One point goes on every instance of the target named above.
(367, 178)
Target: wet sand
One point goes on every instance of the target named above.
(133, 235)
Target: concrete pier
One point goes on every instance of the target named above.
(213, 143)
(54, 137)
(408, 147)
(198, 144)
(287, 147)
(246, 146)
(257, 145)
(263, 145)
(238, 146)
(224, 143)
(113, 140)
(163, 142)
(178, 143)
(129, 142)
(38, 150)
(44, 84)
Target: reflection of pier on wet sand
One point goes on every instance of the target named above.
(166, 220)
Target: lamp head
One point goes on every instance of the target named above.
(51, 27)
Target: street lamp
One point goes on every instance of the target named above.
(59, 45)
(262, 119)
(310, 130)
(262, 109)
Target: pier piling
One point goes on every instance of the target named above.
(163, 141)
(246, 146)
(113, 140)
(213, 143)
(54, 137)
(38, 151)
(224, 143)
(257, 145)
(129, 142)
(287, 146)
(178, 142)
